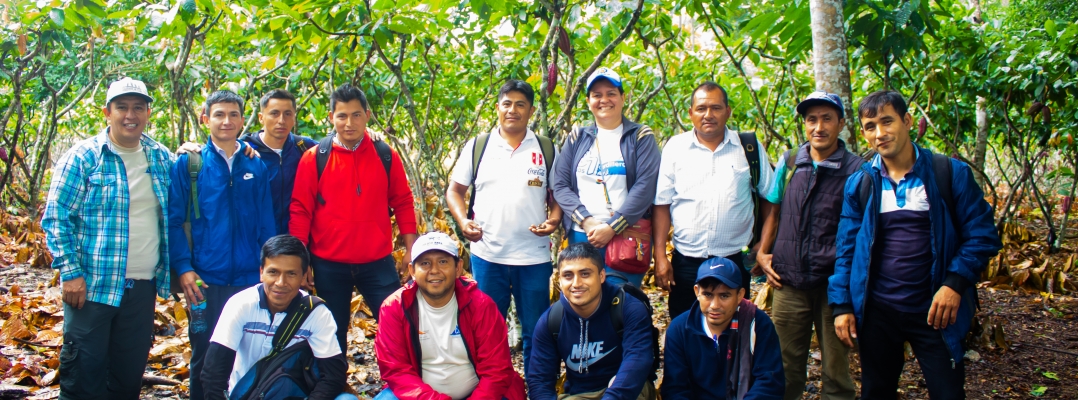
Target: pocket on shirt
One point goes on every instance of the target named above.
(101, 189)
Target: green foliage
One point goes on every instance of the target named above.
(431, 68)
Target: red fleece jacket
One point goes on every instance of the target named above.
(482, 328)
(352, 225)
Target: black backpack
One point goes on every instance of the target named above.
(287, 372)
(617, 317)
(326, 145)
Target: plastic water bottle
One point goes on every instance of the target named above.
(748, 258)
(198, 314)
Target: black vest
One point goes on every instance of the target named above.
(804, 251)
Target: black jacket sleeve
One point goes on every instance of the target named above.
(219, 362)
(334, 374)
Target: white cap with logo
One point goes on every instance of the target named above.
(127, 86)
(434, 241)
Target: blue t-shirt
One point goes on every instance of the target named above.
(902, 259)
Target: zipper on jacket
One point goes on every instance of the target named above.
(872, 239)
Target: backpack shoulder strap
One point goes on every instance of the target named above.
(553, 319)
(617, 312)
(547, 147)
(752, 154)
(941, 166)
(325, 148)
(478, 148)
(291, 323)
(301, 144)
(385, 154)
(194, 167)
(864, 190)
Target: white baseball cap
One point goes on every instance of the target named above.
(604, 73)
(127, 86)
(434, 241)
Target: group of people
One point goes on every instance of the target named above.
(866, 254)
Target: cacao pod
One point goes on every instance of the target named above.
(551, 78)
(563, 42)
(3, 155)
(1034, 108)
(1046, 115)
(21, 41)
(922, 127)
(1067, 201)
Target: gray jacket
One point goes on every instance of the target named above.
(641, 154)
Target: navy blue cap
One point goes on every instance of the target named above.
(824, 98)
(722, 269)
(604, 73)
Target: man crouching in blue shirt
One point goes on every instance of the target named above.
(708, 357)
(599, 363)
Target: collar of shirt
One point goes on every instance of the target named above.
(529, 137)
(728, 137)
(228, 159)
(881, 168)
(337, 141)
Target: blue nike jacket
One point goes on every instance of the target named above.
(960, 252)
(694, 366)
(281, 170)
(235, 218)
(593, 352)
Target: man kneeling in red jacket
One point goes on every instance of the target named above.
(440, 337)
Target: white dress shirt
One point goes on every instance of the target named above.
(710, 194)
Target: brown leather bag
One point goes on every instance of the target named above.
(630, 251)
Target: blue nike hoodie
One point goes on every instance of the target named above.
(281, 170)
(235, 218)
(694, 366)
(592, 351)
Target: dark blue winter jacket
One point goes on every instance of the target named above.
(235, 218)
(593, 352)
(960, 252)
(281, 170)
(694, 367)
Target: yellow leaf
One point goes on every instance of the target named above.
(178, 312)
(270, 63)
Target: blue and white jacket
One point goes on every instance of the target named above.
(960, 252)
(236, 218)
(281, 170)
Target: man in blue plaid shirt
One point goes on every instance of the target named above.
(106, 230)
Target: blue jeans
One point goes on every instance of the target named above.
(386, 394)
(612, 276)
(346, 396)
(529, 285)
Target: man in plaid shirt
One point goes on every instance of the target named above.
(107, 233)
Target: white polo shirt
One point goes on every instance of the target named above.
(247, 326)
(510, 196)
(710, 194)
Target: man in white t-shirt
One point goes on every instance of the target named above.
(512, 213)
(440, 337)
(245, 332)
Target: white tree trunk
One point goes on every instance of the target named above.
(830, 60)
(980, 146)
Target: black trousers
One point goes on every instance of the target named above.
(335, 281)
(105, 347)
(682, 294)
(216, 296)
(881, 339)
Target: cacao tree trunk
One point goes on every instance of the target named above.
(831, 62)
